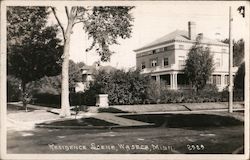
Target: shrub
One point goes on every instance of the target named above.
(13, 91)
(122, 87)
(47, 99)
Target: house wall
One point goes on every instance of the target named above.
(147, 57)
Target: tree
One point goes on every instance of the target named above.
(104, 25)
(238, 51)
(75, 74)
(33, 49)
(239, 77)
(199, 65)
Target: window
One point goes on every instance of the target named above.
(217, 62)
(181, 46)
(154, 62)
(154, 51)
(143, 65)
(181, 62)
(165, 62)
(217, 79)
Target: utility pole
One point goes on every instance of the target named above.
(230, 87)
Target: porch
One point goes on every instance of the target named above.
(172, 81)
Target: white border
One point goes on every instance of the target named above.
(4, 154)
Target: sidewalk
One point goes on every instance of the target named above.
(27, 120)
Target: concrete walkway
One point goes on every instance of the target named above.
(45, 114)
(109, 117)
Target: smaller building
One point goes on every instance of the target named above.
(88, 75)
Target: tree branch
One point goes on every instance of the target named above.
(58, 21)
(78, 22)
(67, 11)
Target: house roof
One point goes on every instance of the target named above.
(178, 35)
(91, 69)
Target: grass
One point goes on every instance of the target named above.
(14, 108)
(185, 120)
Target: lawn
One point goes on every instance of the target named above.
(185, 120)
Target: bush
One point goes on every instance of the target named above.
(122, 87)
(47, 99)
(13, 92)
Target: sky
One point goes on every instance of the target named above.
(153, 20)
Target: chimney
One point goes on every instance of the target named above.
(191, 30)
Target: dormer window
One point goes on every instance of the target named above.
(154, 62)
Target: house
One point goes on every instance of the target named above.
(164, 58)
(88, 75)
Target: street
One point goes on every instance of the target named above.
(137, 140)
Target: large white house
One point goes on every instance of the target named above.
(164, 58)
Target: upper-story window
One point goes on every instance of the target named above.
(143, 65)
(181, 46)
(217, 62)
(165, 62)
(181, 62)
(154, 51)
(154, 62)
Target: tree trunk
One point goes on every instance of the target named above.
(65, 106)
(24, 96)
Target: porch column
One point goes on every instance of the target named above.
(171, 81)
(175, 80)
(158, 80)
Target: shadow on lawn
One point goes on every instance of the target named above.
(185, 120)
(79, 122)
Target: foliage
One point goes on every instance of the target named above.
(48, 85)
(33, 49)
(241, 10)
(238, 51)
(199, 65)
(153, 92)
(13, 90)
(122, 87)
(75, 74)
(104, 26)
(239, 77)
